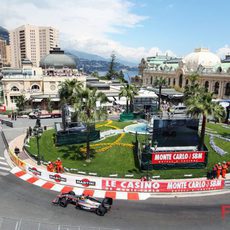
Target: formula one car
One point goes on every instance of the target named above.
(84, 202)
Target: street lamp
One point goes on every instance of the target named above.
(37, 131)
(148, 152)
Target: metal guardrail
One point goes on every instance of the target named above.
(4, 140)
(7, 123)
(7, 223)
(227, 184)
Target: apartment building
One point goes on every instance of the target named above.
(31, 42)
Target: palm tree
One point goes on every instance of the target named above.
(69, 94)
(200, 103)
(68, 90)
(91, 110)
(20, 102)
(128, 91)
(159, 82)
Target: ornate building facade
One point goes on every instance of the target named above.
(38, 83)
(214, 74)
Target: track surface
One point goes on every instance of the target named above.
(31, 204)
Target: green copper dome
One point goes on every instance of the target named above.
(57, 59)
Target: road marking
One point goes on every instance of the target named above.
(4, 168)
(3, 163)
(2, 158)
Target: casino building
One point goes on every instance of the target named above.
(214, 74)
(39, 83)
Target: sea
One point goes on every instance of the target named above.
(127, 74)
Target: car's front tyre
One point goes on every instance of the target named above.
(100, 211)
(63, 202)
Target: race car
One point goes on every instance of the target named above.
(84, 202)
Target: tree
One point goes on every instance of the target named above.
(91, 110)
(159, 82)
(20, 102)
(199, 103)
(128, 91)
(49, 105)
(68, 90)
(111, 72)
(95, 74)
(69, 94)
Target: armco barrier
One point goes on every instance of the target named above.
(121, 185)
(127, 185)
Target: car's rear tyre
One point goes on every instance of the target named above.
(63, 202)
(101, 211)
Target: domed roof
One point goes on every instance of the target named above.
(58, 60)
(201, 57)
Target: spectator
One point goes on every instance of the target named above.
(16, 151)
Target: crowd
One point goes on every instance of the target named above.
(55, 166)
(219, 170)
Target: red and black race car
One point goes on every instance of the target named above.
(84, 202)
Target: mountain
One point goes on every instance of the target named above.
(4, 34)
(84, 55)
(92, 62)
(95, 57)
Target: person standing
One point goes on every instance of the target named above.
(224, 169)
(219, 168)
(214, 172)
(58, 164)
(50, 167)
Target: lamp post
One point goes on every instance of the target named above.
(148, 152)
(37, 131)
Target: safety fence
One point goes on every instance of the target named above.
(7, 123)
(117, 184)
(4, 140)
(24, 224)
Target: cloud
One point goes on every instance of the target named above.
(84, 25)
(221, 52)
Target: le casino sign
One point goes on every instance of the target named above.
(178, 157)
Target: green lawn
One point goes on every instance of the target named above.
(120, 159)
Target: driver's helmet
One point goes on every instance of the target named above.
(82, 197)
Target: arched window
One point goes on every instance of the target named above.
(151, 80)
(14, 88)
(180, 80)
(186, 83)
(169, 81)
(174, 81)
(35, 87)
(216, 87)
(206, 85)
(227, 89)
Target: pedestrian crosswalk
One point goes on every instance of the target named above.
(4, 167)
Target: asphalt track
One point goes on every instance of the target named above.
(26, 207)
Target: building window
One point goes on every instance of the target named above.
(14, 88)
(216, 87)
(35, 88)
(151, 80)
(174, 81)
(227, 90)
(169, 81)
(206, 85)
(180, 80)
(186, 83)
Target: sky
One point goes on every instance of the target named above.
(132, 29)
